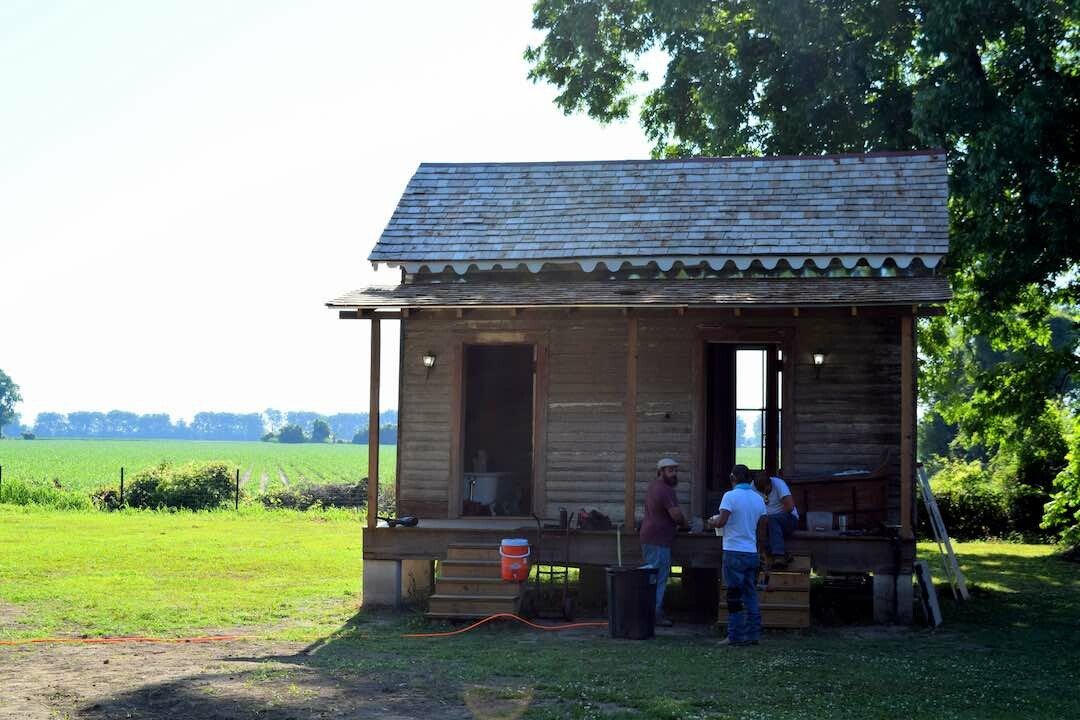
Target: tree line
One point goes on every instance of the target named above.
(119, 424)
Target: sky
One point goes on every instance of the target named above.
(183, 185)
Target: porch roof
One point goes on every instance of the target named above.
(739, 292)
(714, 210)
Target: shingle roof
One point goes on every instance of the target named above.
(713, 209)
(745, 292)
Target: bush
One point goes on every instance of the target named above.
(194, 486)
(972, 505)
(28, 435)
(1063, 510)
(106, 498)
(329, 495)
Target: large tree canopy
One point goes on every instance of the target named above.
(742, 77)
(994, 82)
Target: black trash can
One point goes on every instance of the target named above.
(631, 595)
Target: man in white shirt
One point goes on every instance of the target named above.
(782, 514)
(742, 515)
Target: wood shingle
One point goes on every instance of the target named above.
(854, 207)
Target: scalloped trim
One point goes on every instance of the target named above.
(715, 262)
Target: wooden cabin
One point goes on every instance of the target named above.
(564, 325)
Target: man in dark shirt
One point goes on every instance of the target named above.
(663, 518)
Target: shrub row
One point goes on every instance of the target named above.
(329, 495)
(193, 486)
(17, 492)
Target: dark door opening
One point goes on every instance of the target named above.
(498, 430)
(742, 413)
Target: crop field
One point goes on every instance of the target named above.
(89, 464)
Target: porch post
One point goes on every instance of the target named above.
(631, 419)
(907, 422)
(373, 427)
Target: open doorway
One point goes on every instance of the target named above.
(498, 429)
(743, 407)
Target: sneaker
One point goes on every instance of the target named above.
(663, 621)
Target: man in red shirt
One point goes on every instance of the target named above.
(663, 518)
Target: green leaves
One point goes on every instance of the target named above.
(9, 396)
(743, 77)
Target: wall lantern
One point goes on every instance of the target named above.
(429, 360)
(819, 360)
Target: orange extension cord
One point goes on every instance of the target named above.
(129, 639)
(511, 616)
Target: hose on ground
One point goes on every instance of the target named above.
(511, 616)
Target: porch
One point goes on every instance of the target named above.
(398, 561)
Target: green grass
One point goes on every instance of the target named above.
(84, 465)
(751, 457)
(1012, 651)
(168, 574)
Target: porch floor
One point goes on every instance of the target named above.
(829, 551)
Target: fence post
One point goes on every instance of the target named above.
(236, 505)
(121, 485)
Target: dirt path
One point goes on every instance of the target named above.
(282, 477)
(263, 480)
(242, 679)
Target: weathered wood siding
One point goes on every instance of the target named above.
(586, 421)
(848, 410)
(665, 402)
(585, 428)
(424, 407)
(847, 415)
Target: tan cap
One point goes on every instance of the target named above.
(665, 462)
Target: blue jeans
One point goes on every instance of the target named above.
(781, 525)
(659, 557)
(744, 614)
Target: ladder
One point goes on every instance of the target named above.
(949, 564)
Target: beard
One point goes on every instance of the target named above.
(672, 481)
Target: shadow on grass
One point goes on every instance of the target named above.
(365, 669)
(1007, 648)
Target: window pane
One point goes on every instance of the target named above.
(779, 445)
(780, 380)
(748, 441)
(750, 378)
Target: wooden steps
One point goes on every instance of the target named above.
(470, 585)
(785, 599)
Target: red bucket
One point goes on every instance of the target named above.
(515, 559)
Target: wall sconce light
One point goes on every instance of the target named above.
(819, 360)
(429, 360)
